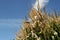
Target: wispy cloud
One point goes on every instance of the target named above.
(42, 3)
(10, 22)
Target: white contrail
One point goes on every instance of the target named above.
(42, 3)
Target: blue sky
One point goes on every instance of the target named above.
(12, 13)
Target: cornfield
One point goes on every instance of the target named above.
(40, 27)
